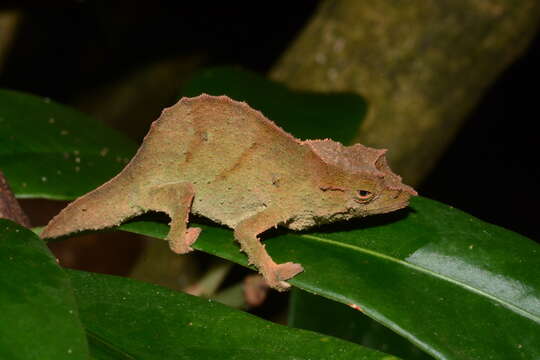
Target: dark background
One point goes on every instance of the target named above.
(61, 51)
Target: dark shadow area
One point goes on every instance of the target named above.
(83, 44)
(491, 169)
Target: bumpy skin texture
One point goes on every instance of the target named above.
(219, 158)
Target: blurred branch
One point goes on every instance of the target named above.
(159, 265)
(208, 284)
(233, 296)
(9, 21)
(422, 66)
(250, 293)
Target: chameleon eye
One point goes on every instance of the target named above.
(364, 195)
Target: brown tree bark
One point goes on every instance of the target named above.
(9, 207)
(421, 65)
(9, 22)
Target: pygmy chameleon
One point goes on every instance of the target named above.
(219, 158)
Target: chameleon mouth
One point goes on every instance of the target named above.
(395, 207)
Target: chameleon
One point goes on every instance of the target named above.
(219, 158)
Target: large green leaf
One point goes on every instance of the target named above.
(307, 115)
(453, 285)
(52, 151)
(127, 319)
(39, 318)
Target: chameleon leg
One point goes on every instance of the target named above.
(246, 233)
(175, 200)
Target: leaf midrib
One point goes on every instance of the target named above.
(108, 345)
(463, 285)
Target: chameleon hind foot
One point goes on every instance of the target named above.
(278, 273)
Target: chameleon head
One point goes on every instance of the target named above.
(362, 183)
(380, 192)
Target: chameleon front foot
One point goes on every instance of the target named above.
(182, 244)
(174, 199)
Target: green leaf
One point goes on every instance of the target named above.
(51, 151)
(39, 317)
(127, 319)
(316, 313)
(451, 284)
(307, 115)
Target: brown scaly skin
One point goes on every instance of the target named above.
(219, 158)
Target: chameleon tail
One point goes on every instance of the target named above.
(101, 208)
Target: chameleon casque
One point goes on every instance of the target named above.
(219, 158)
